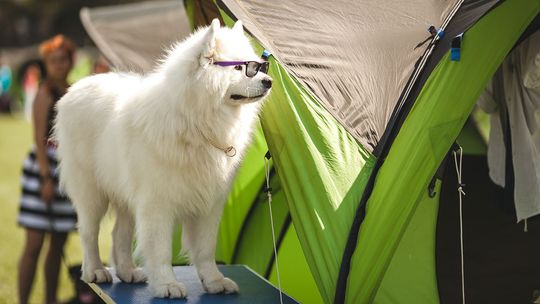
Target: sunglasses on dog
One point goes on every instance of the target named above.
(252, 67)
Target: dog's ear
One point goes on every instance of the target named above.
(238, 27)
(209, 44)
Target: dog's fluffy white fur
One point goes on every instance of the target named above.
(150, 146)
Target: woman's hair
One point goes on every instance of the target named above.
(55, 43)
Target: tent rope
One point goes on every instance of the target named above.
(461, 194)
(269, 194)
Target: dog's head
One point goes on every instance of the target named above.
(230, 67)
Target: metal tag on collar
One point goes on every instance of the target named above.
(230, 151)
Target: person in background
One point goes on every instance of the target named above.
(5, 83)
(44, 211)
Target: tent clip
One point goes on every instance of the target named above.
(431, 187)
(455, 48)
(434, 33)
(440, 171)
(266, 187)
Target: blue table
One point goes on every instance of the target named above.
(253, 289)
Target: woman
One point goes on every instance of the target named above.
(44, 210)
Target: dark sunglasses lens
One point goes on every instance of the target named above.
(264, 67)
(252, 68)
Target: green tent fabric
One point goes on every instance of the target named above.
(257, 230)
(322, 169)
(434, 122)
(244, 192)
(364, 281)
(415, 257)
(295, 276)
(314, 154)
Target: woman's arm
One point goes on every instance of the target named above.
(40, 110)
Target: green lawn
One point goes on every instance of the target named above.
(15, 142)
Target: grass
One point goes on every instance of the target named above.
(15, 142)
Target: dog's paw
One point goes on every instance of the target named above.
(100, 275)
(133, 275)
(224, 285)
(170, 290)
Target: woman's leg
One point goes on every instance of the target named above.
(52, 265)
(28, 262)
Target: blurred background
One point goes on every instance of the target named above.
(26, 23)
(23, 25)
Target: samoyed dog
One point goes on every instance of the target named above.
(161, 149)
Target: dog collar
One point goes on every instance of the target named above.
(230, 151)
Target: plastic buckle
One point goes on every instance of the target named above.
(455, 48)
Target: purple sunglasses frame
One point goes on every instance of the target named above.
(262, 65)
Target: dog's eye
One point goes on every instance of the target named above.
(238, 67)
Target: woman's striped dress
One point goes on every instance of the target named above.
(59, 216)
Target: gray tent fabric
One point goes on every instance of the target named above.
(468, 13)
(356, 65)
(133, 37)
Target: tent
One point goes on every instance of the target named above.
(366, 106)
(117, 30)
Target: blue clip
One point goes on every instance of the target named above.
(455, 54)
(455, 48)
(266, 54)
(440, 33)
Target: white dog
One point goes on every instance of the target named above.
(161, 149)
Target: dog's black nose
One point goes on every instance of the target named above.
(267, 83)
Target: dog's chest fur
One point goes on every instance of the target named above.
(185, 173)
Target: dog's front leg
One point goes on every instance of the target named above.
(201, 234)
(154, 233)
(122, 246)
